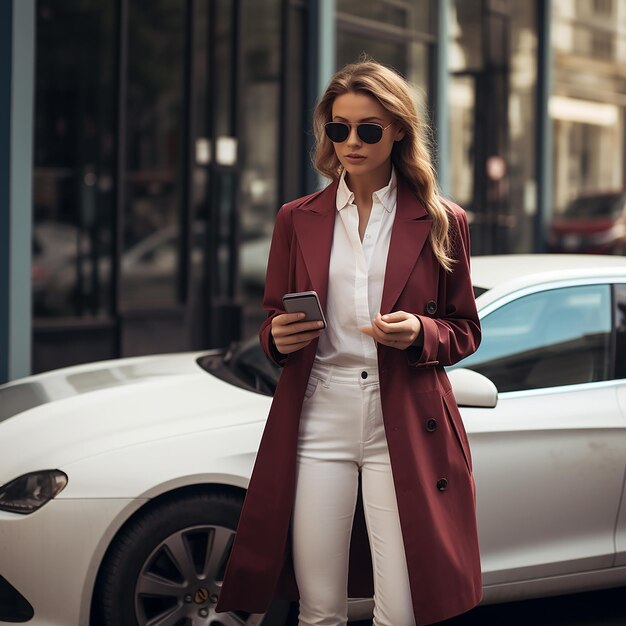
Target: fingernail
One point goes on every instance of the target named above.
(385, 318)
(301, 315)
(320, 324)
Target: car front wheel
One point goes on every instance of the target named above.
(167, 566)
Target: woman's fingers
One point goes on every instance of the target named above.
(379, 335)
(295, 328)
(287, 318)
(288, 349)
(397, 330)
(396, 316)
(290, 335)
(397, 322)
(291, 343)
(298, 338)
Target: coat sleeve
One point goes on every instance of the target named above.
(456, 333)
(276, 282)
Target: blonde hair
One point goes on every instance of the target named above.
(410, 156)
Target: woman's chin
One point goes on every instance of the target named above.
(356, 169)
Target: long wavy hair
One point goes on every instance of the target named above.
(410, 156)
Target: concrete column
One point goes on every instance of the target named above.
(323, 59)
(442, 83)
(17, 64)
(544, 125)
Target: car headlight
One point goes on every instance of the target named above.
(31, 491)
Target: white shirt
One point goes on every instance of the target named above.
(356, 276)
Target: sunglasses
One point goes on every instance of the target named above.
(338, 132)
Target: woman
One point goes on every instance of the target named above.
(364, 438)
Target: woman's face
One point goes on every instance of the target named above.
(357, 157)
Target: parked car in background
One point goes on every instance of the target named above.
(121, 481)
(65, 282)
(593, 223)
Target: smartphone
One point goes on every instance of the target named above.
(305, 302)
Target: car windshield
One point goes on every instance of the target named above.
(608, 205)
(245, 365)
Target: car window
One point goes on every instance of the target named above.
(603, 205)
(547, 339)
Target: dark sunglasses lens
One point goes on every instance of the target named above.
(337, 132)
(370, 133)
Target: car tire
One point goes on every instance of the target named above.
(166, 567)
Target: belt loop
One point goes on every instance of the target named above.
(328, 376)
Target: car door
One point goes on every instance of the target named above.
(549, 460)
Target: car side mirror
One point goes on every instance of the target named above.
(472, 389)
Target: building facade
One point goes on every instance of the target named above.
(146, 145)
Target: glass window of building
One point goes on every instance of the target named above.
(260, 150)
(395, 32)
(74, 158)
(153, 178)
(588, 111)
(492, 63)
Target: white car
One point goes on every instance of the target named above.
(122, 481)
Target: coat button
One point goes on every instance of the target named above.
(363, 375)
(442, 483)
(431, 425)
(431, 307)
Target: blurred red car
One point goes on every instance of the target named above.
(594, 223)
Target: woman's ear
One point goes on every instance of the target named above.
(399, 136)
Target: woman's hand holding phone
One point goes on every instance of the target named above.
(397, 330)
(290, 333)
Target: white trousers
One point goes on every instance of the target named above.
(342, 434)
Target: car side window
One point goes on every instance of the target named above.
(547, 339)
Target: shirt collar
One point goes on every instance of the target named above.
(386, 196)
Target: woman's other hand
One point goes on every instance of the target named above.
(290, 333)
(397, 330)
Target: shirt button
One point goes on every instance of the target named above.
(442, 484)
(363, 375)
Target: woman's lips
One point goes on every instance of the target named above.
(354, 158)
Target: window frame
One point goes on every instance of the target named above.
(509, 297)
(618, 339)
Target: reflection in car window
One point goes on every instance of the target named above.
(601, 205)
(547, 339)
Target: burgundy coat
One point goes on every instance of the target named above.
(428, 446)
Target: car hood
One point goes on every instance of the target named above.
(52, 419)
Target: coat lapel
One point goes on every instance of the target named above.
(314, 224)
(410, 230)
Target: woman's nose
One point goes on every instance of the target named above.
(353, 137)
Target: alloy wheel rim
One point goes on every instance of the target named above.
(180, 581)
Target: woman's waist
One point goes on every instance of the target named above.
(332, 372)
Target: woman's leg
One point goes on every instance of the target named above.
(321, 527)
(393, 605)
(325, 499)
